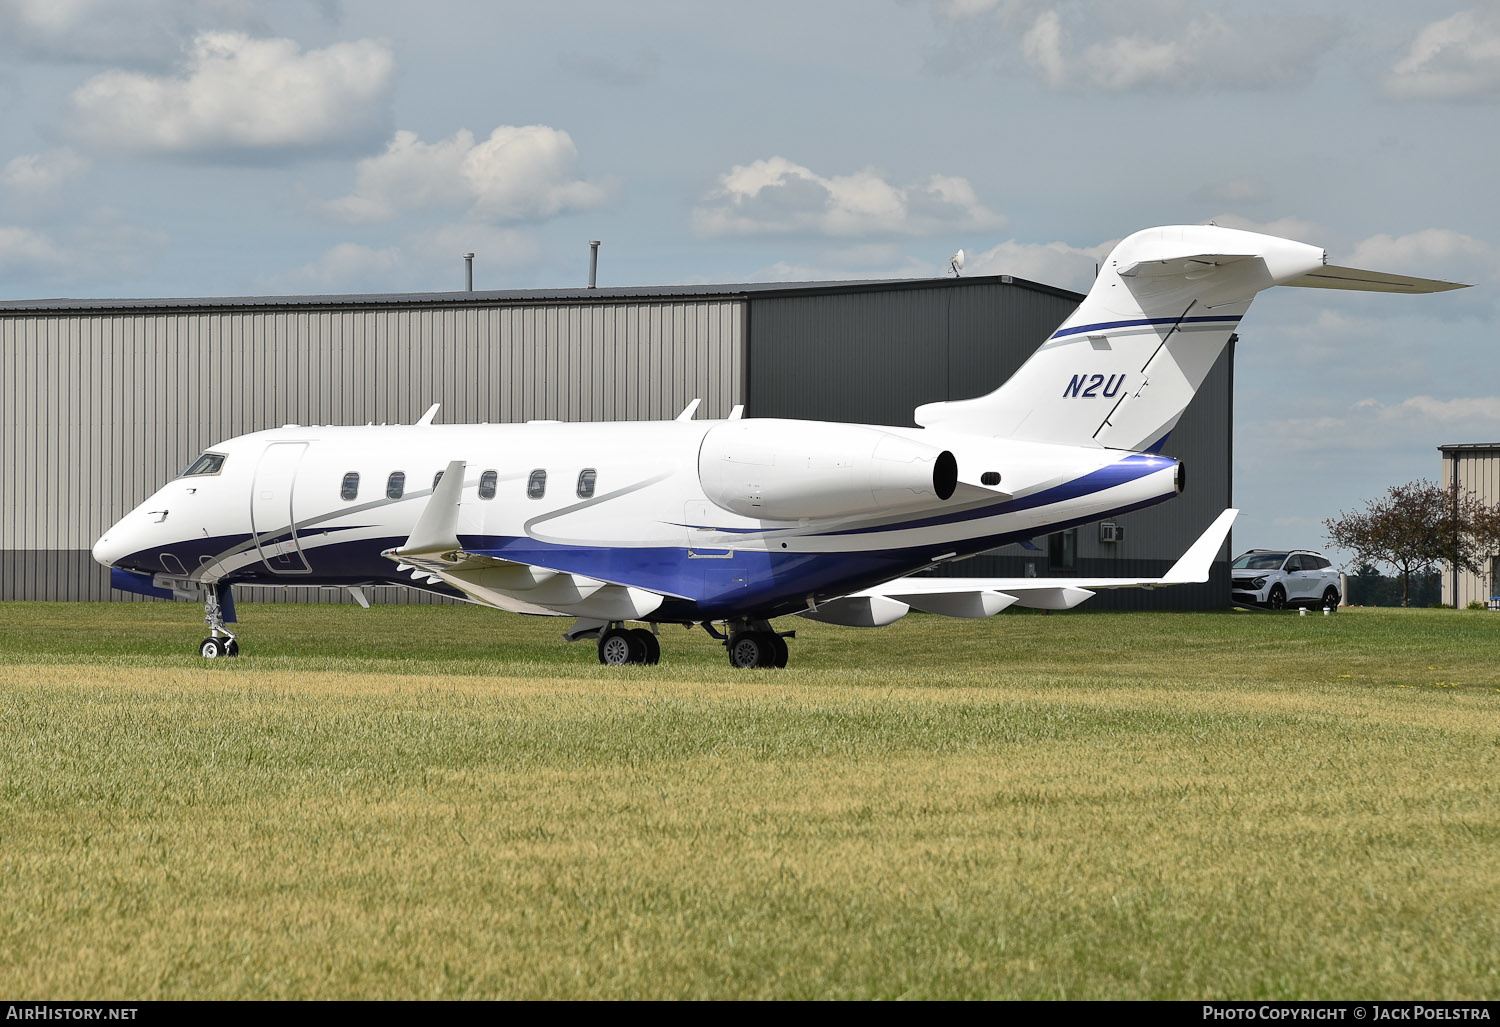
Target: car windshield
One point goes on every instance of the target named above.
(1259, 562)
(208, 463)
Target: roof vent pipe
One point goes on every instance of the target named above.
(593, 263)
(469, 270)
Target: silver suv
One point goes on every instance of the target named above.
(1278, 578)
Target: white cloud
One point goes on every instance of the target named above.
(236, 94)
(643, 68)
(1292, 228)
(41, 175)
(1054, 263)
(103, 242)
(425, 261)
(1135, 45)
(1238, 190)
(1457, 58)
(1462, 410)
(1429, 253)
(776, 196)
(25, 253)
(517, 174)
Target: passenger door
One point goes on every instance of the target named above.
(272, 516)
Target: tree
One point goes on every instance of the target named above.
(1418, 524)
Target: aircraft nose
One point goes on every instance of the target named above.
(112, 545)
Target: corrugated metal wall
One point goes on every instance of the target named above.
(873, 358)
(100, 408)
(1476, 469)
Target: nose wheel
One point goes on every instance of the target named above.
(216, 648)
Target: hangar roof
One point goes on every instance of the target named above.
(644, 293)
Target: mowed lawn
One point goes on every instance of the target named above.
(445, 802)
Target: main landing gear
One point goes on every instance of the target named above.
(220, 640)
(619, 645)
(755, 644)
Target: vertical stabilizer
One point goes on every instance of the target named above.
(1120, 371)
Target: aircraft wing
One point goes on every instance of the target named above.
(985, 597)
(433, 554)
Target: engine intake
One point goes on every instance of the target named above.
(794, 470)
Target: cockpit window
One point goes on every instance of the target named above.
(208, 463)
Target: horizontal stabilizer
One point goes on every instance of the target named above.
(1332, 277)
(974, 597)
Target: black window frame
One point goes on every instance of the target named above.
(588, 479)
(349, 487)
(536, 484)
(395, 485)
(487, 483)
(216, 462)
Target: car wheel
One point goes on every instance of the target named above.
(1331, 598)
(1277, 598)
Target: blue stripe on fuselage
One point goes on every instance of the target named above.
(1143, 322)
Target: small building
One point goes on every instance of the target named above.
(1474, 466)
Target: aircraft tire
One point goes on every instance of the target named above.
(211, 649)
(618, 647)
(650, 644)
(779, 650)
(231, 648)
(752, 649)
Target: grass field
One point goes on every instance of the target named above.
(441, 802)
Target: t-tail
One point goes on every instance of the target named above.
(1121, 370)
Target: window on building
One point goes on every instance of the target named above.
(487, 482)
(586, 479)
(395, 485)
(208, 463)
(1062, 548)
(536, 485)
(349, 491)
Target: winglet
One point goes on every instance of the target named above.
(1195, 563)
(689, 410)
(437, 528)
(431, 413)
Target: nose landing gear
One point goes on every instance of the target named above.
(220, 641)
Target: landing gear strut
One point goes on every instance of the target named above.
(220, 640)
(619, 645)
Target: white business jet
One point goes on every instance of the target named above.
(730, 524)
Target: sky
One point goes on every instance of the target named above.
(230, 147)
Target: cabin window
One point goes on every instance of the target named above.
(435, 479)
(395, 485)
(536, 485)
(208, 463)
(487, 482)
(586, 479)
(350, 489)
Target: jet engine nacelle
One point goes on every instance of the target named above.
(791, 470)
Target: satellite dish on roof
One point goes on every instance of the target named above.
(956, 263)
